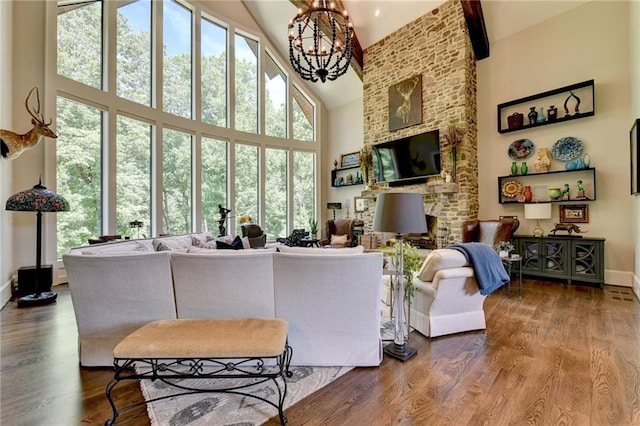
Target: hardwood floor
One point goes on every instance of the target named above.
(561, 355)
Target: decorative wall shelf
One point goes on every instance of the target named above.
(561, 98)
(555, 179)
(343, 173)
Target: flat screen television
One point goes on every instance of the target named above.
(407, 160)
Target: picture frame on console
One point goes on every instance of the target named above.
(634, 136)
(359, 204)
(576, 213)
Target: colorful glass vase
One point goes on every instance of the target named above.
(524, 169)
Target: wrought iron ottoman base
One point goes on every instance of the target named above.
(204, 368)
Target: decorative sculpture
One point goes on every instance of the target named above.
(569, 227)
(13, 144)
(223, 218)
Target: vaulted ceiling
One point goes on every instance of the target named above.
(375, 19)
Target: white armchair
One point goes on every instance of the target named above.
(447, 299)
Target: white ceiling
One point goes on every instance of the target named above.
(502, 19)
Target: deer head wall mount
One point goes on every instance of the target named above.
(13, 144)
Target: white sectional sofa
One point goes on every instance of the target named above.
(332, 303)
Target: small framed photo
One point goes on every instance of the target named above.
(359, 204)
(635, 156)
(577, 213)
(349, 160)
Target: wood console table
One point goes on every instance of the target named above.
(564, 257)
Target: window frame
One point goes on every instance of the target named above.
(107, 100)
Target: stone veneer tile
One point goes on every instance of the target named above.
(437, 46)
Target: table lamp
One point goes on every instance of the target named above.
(37, 199)
(399, 212)
(537, 211)
(334, 207)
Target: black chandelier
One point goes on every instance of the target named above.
(322, 46)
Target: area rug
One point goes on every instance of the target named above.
(237, 410)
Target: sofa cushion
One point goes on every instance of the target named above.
(172, 243)
(199, 250)
(119, 247)
(440, 259)
(322, 251)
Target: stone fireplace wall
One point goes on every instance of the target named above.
(436, 46)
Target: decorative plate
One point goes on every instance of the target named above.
(567, 148)
(511, 189)
(521, 149)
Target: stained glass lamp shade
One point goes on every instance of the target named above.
(38, 199)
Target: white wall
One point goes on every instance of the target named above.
(345, 134)
(6, 167)
(634, 25)
(588, 42)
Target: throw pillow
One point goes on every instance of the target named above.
(198, 240)
(172, 243)
(245, 243)
(440, 259)
(235, 245)
(338, 240)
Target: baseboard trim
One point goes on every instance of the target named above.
(5, 293)
(619, 278)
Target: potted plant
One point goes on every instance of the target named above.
(411, 263)
(504, 248)
(313, 224)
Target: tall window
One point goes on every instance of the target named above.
(79, 172)
(304, 172)
(176, 68)
(275, 108)
(275, 186)
(246, 84)
(247, 181)
(214, 182)
(303, 113)
(134, 51)
(119, 140)
(80, 58)
(214, 73)
(133, 176)
(176, 182)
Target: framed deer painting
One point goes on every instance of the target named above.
(405, 103)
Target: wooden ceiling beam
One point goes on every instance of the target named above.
(477, 30)
(357, 58)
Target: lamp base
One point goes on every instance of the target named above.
(37, 299)
(538, 232)
(401, 352)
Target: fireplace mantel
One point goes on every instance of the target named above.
(438, 188)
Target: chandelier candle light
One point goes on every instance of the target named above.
(38, 199)
(399, 212)
(321, 42)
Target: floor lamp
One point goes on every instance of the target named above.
(399, 212)
(38, 199)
